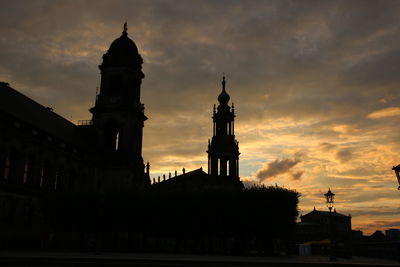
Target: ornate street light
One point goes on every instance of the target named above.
(329, 196)
(397, 172)
(329, 199)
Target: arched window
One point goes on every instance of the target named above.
(41, 177)
(56, 179)
(112, 137)
(7, 167)
(117, 142)
(26, 169)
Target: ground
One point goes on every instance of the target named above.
(65, 258)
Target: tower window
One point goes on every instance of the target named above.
(117, 142)
(41, 177)
(111, 141)
(26, 168)
(7, 167)
(56, 180)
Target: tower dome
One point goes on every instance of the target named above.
(223, 97)
(122, 52)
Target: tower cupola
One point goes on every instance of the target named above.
(223, 97)
(122, 52)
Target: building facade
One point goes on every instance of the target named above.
(318, 225)
(42, 153)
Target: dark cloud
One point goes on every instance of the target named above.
(344, 155)
(297, 175)
(277, 167)
(375, 212)
(381, 224)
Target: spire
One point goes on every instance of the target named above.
(223, 97)
(125, 32)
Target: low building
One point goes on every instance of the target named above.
(318, 225)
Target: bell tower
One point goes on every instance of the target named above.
(118, 115)
(223, 150)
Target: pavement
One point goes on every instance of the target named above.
(67, 258)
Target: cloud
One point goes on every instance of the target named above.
(344, 155)
(297, 175)
(384, 113)
(327, 146)
(277, 167)
(380, 224)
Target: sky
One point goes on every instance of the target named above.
(315, 84)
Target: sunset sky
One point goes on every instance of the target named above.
(316, 86)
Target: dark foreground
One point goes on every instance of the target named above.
(60, 258)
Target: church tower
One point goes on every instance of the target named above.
(118, 114)
(223, 150)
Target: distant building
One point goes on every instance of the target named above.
(315, 226)
(379, 245)
(377, 236)
(357, 235)
(392, 234)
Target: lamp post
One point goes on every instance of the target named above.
(329, 196)
(397, 172)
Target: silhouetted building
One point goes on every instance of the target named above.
(118, 116)
(379, 245)
(186, 181)
(377, 236)
(223, 150)
(392, 234)
(42, 152)
(223, 153)
(315, 226)
(357, 235)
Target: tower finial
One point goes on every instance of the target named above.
(223, 81)
(125, 27)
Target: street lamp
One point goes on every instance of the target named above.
(397, 172)
(329, 199)
(329, 203)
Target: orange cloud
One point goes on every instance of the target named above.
(386, 112)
